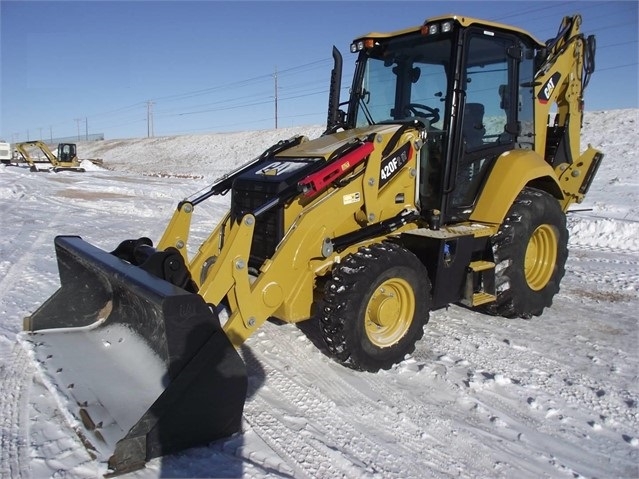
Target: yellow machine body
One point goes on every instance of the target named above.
(445, 179)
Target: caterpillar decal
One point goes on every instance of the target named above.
(548, 88)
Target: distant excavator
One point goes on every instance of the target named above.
(66, 159)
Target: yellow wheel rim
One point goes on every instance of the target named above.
(389, 312)
(541, 256)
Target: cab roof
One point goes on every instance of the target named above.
(460, 19)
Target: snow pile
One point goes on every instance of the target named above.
(189, 156)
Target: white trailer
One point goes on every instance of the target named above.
(5, 152)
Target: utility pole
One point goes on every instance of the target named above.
(77, 122)
(275, 97)
(149, 119)
(86, 128)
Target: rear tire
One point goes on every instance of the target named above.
(375, 307)
(530, 249)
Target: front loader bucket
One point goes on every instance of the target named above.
(142, 364)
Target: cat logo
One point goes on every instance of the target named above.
(278, 167)
(548, 88)
(273, 169)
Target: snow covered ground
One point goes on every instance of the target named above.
(552, 397)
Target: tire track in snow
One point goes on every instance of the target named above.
(381, 409)
(16, 373)
(297, 455)
(426, 429)
(316, 421)
(35, 439)
(18, 270)
(29, 268)
(303, 459)
(422, 433)
(28, 238)
(576, 248)
(518, 393)
(33, 277)
(428, 424)
(30, 276)
(605, 273)
(499, 360)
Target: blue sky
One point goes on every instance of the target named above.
(69, 68)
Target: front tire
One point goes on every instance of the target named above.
(375, 307)
(530, 249)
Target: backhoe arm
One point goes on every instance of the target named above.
(23, 149)
(562, 76)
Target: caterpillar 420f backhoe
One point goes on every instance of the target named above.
(444, 178)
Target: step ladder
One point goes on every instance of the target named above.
(480, 284)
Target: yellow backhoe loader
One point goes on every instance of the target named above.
(445, 177)
(66, 159)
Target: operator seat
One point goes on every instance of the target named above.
(473, 129)
(469, 167)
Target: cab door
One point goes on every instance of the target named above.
(486, 125)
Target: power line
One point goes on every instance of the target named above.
(615, 67)
(237, 85)
(241, 83)
(292, 83)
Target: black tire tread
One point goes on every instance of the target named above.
(345, 290)
(531, 208)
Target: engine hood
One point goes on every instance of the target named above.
(325, 145)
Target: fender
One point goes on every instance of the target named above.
(512, 171)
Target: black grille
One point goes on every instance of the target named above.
(269, 226)
(254, 188)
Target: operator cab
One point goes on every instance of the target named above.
(467, 83)
(66, 152)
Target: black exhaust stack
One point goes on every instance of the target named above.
(334, 119)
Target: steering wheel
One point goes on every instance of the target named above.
(423, 111)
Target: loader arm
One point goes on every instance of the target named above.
(335, 217)
(177, 231)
